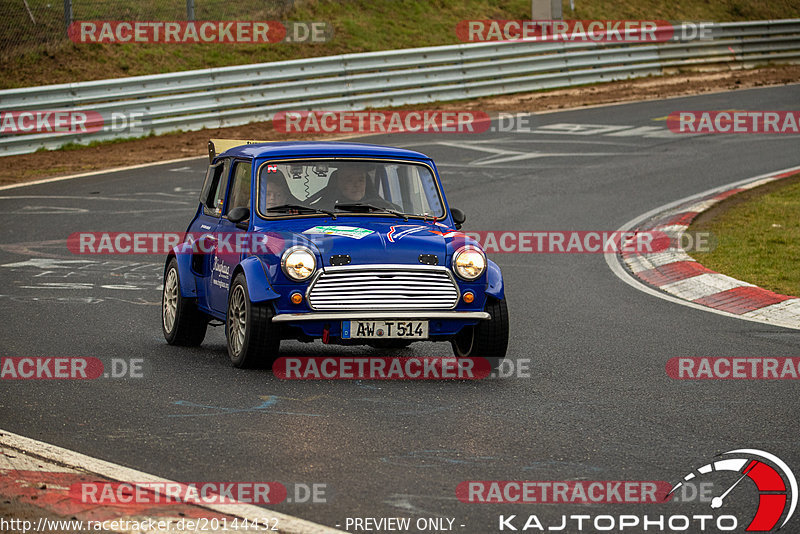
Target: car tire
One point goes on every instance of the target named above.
(487, 339)
(251, 337)
(181, 322)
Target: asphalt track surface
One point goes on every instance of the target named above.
(597, 406)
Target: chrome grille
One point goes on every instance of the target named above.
(383, 287)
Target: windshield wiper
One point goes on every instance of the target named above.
(284, 207)
(355, 205)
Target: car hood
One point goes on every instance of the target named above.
(368, 240)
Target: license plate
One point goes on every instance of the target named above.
(385, 329)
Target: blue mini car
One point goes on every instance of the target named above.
(343, 242)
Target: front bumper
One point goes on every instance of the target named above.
(353, 315)
(442, 324)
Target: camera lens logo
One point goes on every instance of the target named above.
(771, 480)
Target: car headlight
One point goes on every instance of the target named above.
(469, 263)
(298, 263)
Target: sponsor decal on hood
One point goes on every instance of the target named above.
(344, 231)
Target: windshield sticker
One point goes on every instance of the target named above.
(344, 231)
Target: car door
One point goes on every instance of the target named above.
(212, 198)
(226, 254)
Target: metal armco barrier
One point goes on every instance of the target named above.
(230, 96)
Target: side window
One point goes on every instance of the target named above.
(214, 188)
(239, 195)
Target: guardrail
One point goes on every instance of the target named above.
(230, 96)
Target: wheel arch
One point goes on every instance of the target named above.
(494, 281)
(188, 282)
(255, 275)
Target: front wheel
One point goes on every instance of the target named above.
(252, 338)
(181, 322)
(487, 339)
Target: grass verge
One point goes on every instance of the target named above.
(758, 234)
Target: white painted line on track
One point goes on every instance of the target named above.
(140, 166)
(286, 523)
(95, 173)
(614, 261)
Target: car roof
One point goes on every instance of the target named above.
(320, 148)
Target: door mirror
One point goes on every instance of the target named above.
(238, 215)
(458, 217)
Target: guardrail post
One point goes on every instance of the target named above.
(67, 13)
(546, 10)
(189, 9)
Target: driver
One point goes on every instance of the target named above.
(350, 184)
(277, 193)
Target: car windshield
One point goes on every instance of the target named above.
(347, 187)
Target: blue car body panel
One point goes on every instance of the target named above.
(182, 254)
(494, 278)
(310, 149)
(258, 286)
